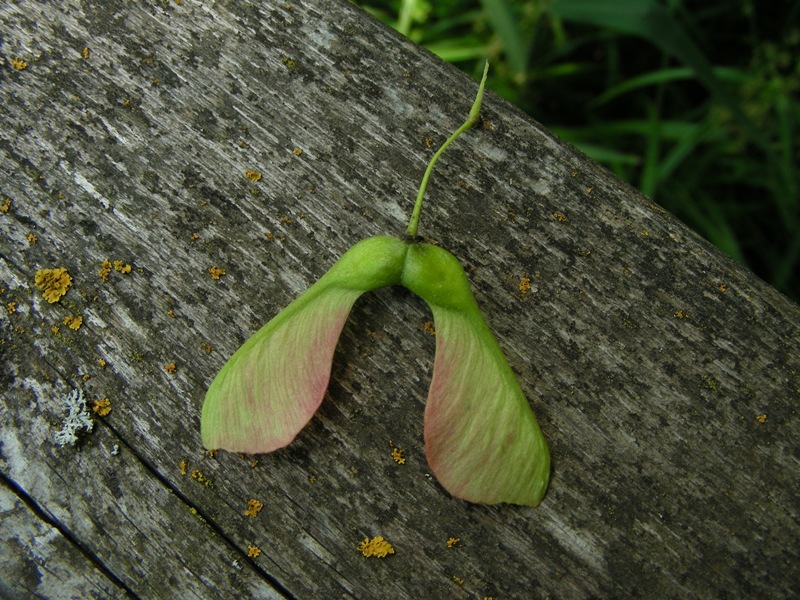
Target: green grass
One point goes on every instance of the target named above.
(695, 103)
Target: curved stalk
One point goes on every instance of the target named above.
(472, 120)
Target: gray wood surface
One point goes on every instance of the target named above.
(665, 377)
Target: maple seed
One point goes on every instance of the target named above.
(482, 440)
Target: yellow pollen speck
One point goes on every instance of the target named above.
(73, 323)
(216, 272)
(253, 508)
(377, 547)
(253, 176)
(54, 283)
(102, 407)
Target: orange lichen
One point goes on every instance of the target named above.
(216, 272)
(453, 541)
(428, 327)
(206, 347)
(253, 551)
(253, 508)
(253, 176)
(102, 407)
(397, 456)
(73, 322)
(377, 547)
(170, 368)
(54, 283)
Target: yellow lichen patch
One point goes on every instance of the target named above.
(121, 267)
(170, 368)
(559, 216)
(32, 239)
(85, 52)
(761, 418)
(253, 176)
(184, 467)
(73, 322)
(453, 541)
(11, 308)
(54, 283)
(297, 152)
(397, 456)
(458, 580)
(5, 206)
(680, 314)
(102, 407)
(206, 347)
(101, 362)
(19, 64)
(216, 272)
(524, 285)
(253, 551)
(312, 479)
(253, 508)
(198, 476)
(428, 327)
(377, 547)
(105, 269)
(195, 236)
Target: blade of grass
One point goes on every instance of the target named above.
(653, 22)
(504, 24)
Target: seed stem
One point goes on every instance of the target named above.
(472, 120)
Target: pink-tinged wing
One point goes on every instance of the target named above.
(481, 438)
(273, 384)
(271, 387)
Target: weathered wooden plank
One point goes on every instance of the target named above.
(40, 562)
(650, 359)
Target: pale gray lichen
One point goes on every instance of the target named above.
(77, 418)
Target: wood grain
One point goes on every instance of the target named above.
(664, 375)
